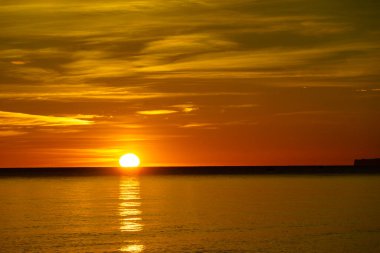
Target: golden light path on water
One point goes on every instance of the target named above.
(130, 213)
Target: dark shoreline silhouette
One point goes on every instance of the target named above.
(367, 162)
(200, 170)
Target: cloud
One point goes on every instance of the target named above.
(94, 92)
(6, 133)
(188, 43)
(93, 64)
(85, 116)
(196, 125)
(216, 125)
(138, 40)
(305, 113)
(69, 92)
(70, 6)
(237, 106)
(157, 112)
(186, 107)
(28, 120)
(18, 62)
(281, 61)
(173, 37)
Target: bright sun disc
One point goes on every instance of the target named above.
(129, 161)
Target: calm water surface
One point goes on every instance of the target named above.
(190, 214)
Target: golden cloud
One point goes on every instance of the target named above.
(5, 133)
(23, 119)
(18, 62)
(157, 112)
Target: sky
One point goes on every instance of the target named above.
(189, 82)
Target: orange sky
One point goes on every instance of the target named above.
(189, 82)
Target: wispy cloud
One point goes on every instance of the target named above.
(216, 125)
(196, 125)
(305, 113)
(6, 133)
(263, 63)
(19, 62)
(23, 119)
(188, 43)
(237, 106)
(174, 40)
(94, 92)
(157, 112)
(84, 116)
(186, 107)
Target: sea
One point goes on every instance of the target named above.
(190, 213)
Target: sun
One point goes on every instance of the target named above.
(129, 161)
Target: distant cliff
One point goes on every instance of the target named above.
(367, 162)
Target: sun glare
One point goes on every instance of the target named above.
(129, 161)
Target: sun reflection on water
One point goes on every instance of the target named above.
(133, 248)
(130, 213)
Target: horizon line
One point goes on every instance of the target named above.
(179, 166)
